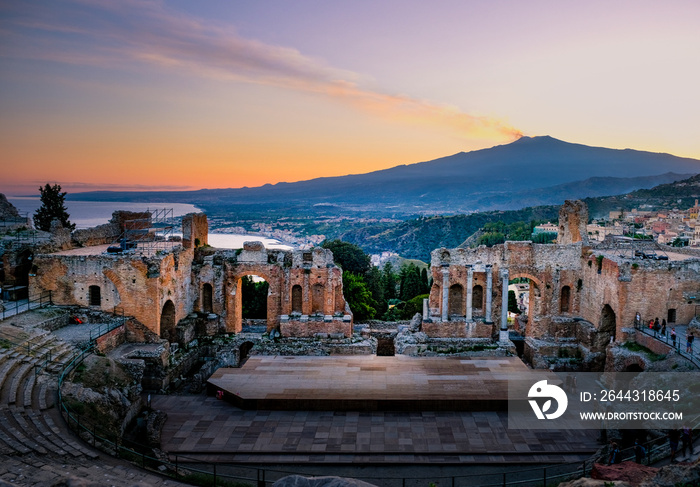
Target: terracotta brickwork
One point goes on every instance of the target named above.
(195, 229)
(311, 274)
(572, 287)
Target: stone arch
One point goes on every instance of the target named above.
(168, 321)
(297, 299)
(317, 294)
(607, 327)
(207, 298)
(478, 297)
(456, 301)
(565, 300)
(534, 302)
(234, 297)
(94, 296)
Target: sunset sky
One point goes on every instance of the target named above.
(105, 94)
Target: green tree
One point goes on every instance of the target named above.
(254, 298)
(52, 208)
(545, 237)
(389, 282)
(375, 284)
(424, 281)
(513, 303)
(349, 257)
(358, 296)
(413, 306)
(410, 285)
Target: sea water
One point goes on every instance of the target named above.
(87, 214)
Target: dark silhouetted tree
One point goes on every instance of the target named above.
(52, 208)
(254, 298)
(513, 303)
(389, 282)
(349, 257)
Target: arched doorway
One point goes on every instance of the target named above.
(607, 328)
(95, 296)
(254, 299)
(167, 322)
(297, 299)
(207, 298)
(456, 301)
(565, 300)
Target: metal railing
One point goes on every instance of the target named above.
(12, 308)
(680, 344)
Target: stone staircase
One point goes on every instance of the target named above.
(30, 424)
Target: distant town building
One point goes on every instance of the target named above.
(546, 228)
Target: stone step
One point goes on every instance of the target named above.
(6, 372)
(31, 431)
(56, 439)
(29, 390)
(61, 360)
(8, 424)
(44, 401)
(18, 378)
(9, 443)
(85, 451)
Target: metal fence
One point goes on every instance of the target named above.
(680, 344)
(12, 308)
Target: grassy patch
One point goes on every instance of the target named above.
(636, 347)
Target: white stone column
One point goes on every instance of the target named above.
(489, 293)
(504, 306)
(445, 291)
(426, 310)
(470, 285)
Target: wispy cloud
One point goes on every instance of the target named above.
(108, 33)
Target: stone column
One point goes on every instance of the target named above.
(470, 285)
(504, 306)
(426, 310)
(489, 293)
(445, 291)
(306, 296)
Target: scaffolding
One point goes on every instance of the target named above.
(633, 248)
(150, 234)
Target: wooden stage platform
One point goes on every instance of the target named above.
(368, 383)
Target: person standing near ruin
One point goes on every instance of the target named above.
(673, 336)
(689, 343)
(686, 439)
(657, 326)
(615, 456)
(673, 437)
(663, 328)
(639, 451)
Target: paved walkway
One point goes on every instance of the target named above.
(214, 430)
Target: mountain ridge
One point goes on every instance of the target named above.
(486, 179)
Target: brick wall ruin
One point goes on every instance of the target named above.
(160, 290)
(577, 292)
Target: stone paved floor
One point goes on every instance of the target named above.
(210, 429)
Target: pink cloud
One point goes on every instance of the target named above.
(107, 33)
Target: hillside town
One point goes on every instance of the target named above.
(679, 228)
